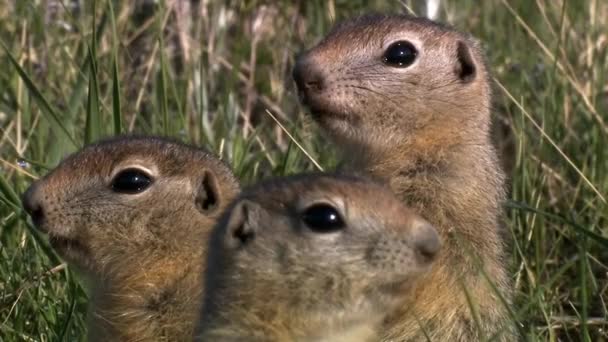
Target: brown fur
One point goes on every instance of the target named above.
(141, 252)
(424, 129)
(291, 282)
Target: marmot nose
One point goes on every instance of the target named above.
(33, 205)
(307, 75)
(426, 239)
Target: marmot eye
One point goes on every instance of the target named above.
(322, 218)
(131, 181)
(400, 54)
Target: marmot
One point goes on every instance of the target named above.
(408, 101)
(133, 214)
(312, 258)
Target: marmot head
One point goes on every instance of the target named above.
(378, 80)
(127, 199)
(327, 246)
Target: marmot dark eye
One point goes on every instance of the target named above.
(131, 181)
(400, 54)
(322, 218)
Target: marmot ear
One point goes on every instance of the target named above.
(208, 197)
(466, 67)
(241, 223)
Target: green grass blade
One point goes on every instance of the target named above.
(93, 122)
(584, 293)
(44, 105)
(116, 105)
(78, 93)
(596, 237)
(70, 316)
(8, 192)
(162, 89)
(116, 111)
(474, 311)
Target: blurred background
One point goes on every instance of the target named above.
(218, 74)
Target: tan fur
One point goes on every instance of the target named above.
(142, 253)
(424, 129)
(291, 282)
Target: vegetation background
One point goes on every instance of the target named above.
(210, 72)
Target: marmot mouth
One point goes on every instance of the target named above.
(323, 115)
(316, 108)
(317, 114)
(321, 107)
(398, 286)
(66, 246)
(395, 287)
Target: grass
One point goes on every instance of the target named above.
(208, 75)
